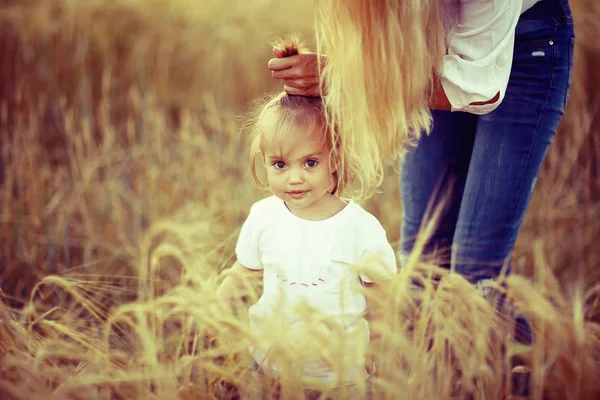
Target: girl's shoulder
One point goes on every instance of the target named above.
(266, 205)
(360, 224)
(362, 217)
(262, 214)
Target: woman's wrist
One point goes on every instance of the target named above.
(439, 99)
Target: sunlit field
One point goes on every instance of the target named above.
(124, 182)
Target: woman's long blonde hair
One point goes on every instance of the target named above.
(383, 57)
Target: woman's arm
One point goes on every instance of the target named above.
(477, 65)
(301, 77)
(439, 100)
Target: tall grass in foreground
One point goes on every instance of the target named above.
(125, 183)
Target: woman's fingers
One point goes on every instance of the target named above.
(303, 83)
(300, 73)
(277, 53)
(311, 92)
(303, 86)
(291, 73)
(305, 64)
(294, 91)
(278, 64)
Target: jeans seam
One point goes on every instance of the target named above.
(567, 13)
(537, 126)
(571, 51)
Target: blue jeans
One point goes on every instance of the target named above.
(482, 169)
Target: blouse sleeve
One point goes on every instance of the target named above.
(246, 249)
(377, 246)
(480, 49)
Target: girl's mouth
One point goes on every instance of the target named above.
(297, 194)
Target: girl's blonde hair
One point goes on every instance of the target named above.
(383, 57)
(287, 111)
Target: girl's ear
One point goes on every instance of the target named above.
(334, 162)
(334, 182)
(333, 167)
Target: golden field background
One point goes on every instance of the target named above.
(126, 182)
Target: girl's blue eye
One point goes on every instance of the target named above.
(311, 163)
(279, 164)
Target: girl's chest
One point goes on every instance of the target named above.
(310, 257)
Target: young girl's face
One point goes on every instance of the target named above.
(298, 170)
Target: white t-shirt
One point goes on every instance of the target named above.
(480, 50)
(309, 262)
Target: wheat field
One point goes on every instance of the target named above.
(124, 183)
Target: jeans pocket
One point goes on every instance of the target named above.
(534, 60)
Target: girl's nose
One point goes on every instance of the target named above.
(296, 176)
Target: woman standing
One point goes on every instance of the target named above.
(487, 82)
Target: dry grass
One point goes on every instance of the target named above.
(125, 184)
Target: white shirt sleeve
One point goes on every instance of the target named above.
(480, 51)
(379, 250)
(246, 249)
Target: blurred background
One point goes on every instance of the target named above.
(119, 132)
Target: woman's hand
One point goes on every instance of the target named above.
(299, 73)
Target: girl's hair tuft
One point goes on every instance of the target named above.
(289, 45)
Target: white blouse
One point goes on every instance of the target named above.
(310, 263)
(480, 48)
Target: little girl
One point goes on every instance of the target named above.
(303, 241)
